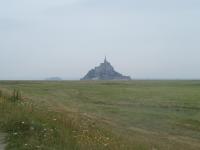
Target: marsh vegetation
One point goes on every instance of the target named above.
(84, 115)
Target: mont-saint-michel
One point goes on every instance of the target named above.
(57, 92)
(105, 71)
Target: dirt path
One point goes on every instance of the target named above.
(2, 145)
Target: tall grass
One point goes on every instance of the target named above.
(29, 127)
(16, 95)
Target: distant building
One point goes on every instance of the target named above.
(104, 71)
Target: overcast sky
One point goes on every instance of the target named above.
(141, 38)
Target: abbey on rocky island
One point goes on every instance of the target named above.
(104, 71)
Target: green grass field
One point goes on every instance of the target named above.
(140, 115)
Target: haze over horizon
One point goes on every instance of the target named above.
(143, 39)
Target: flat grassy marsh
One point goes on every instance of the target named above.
(140, 115)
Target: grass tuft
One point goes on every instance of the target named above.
(16, 95)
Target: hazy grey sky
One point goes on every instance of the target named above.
(66, 38)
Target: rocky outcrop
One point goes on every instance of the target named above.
(104, 72)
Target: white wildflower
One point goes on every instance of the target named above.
(15, 133)
(32, 128)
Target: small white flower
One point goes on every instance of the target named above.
(32, 128)
(15, 133)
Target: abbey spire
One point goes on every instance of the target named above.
(105, 60)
